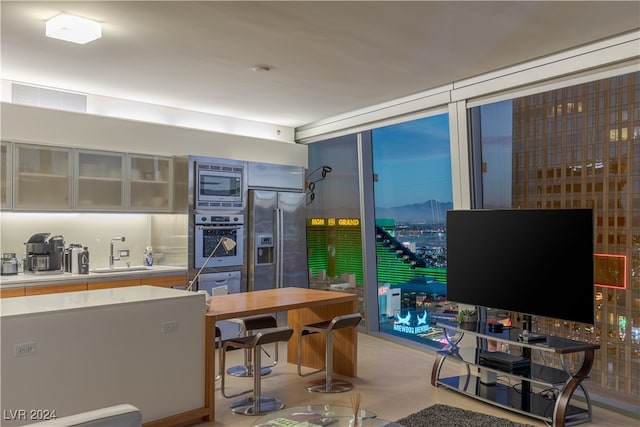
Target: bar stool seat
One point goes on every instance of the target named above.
(250, 324)
(328, 384)
(257, 404)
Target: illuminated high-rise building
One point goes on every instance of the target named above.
(579, 147)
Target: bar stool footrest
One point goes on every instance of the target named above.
(248, 406)
(242, 371)
(252, 323)
(337, 386)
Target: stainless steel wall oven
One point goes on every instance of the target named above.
(209, 229)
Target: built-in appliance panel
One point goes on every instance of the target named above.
(275, 177)
(226, 281)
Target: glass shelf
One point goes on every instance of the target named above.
(546, 376)
(511, 335)
(537, 404)
(523, 386)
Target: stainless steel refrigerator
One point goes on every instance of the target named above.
(277, 240)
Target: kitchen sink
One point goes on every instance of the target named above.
(120, 269)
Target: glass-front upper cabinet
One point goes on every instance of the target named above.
(5, 176)
(42, 177)
(100, 180)
(149, 183)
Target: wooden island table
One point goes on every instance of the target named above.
(303, 306)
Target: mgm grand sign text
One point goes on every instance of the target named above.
(333, 222)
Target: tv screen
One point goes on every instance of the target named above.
(532, 261)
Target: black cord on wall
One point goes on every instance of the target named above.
(311, 185)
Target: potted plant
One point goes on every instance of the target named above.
(467, 316)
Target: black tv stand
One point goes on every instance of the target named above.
(544, 392)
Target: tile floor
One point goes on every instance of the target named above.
(393, 381)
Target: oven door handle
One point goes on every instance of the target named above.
(214, 227)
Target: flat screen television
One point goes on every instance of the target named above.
(537, 262)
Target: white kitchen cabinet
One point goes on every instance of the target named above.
(99, 181)
(149, 184)
(52, 178)
(5, 175)
(42, 177)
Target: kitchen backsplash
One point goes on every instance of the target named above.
(167, 233)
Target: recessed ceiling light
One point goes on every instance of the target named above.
(260, 68)
(73, 28)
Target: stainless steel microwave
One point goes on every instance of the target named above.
(219, 185)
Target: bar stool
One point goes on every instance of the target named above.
(250, 324)
(328, 384)
(257, 404)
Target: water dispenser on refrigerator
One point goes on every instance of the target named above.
(264, 249)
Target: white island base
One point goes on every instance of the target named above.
(67, 353)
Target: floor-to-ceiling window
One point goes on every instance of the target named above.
(333, 217)
(573, 142)
(412, 192)
(577, 147)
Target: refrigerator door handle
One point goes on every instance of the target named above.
(279, 233)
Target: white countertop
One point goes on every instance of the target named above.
(26, 279)
(84, 299)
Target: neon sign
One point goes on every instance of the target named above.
(342, 222)
(410, 324)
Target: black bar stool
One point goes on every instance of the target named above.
(250, 324)
(257, 404)
(327, 385)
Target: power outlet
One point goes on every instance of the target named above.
(25, 348)
(169, 327)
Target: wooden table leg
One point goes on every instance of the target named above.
(345, 348)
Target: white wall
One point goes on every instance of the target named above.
(91, 230)
(127, 109)
(70, 129)
(92, 357)
(167, 233)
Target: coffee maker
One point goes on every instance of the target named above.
(44, 254)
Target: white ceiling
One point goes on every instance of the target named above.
(326, 58)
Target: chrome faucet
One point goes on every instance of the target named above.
(112, 258)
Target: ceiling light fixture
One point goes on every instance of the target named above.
(73, 28)
(260, 68)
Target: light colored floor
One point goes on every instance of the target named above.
(393, 381)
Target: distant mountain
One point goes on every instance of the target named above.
(431, 211)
